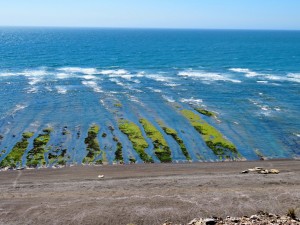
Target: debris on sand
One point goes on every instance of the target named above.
(101, 176)
(261, 170)
(259, 218)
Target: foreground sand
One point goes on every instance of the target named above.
(146, 194)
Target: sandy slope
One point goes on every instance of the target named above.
(146, 194)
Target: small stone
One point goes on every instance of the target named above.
(258, 168)
(274, 171)
(193, 222)
(264, 172)
(235, 220)
(272, 215)
(254, 217)
(284, 218)
(210, 222)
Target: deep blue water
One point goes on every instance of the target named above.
(74, 78)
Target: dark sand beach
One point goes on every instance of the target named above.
(146, 193)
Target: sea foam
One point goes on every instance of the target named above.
(88, 71)
(93, 85)
(247, 72)
(206, 76)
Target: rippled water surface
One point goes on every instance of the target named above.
(73, 78)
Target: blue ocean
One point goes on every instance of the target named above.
(69, 79)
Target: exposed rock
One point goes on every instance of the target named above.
(194, 221)
(210, 221)
(260, 218)
(254, 217)
(258, 168)
(274, 171)
(264, 172)
(261, 170)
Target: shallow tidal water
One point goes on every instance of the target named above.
(73, 78)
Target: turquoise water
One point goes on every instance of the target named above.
(74, 77)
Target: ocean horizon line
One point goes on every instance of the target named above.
(147, 28)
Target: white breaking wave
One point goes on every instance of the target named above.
(48, 88)
(291, 77)
(34, 76)
(63, 75)
(136, 81)
(89, 77)
(295, 77)
(19, 107)
(34, 80)
(32, 90)
(247, 72)
(88, 71)
(192, 101)
(154, 90)
(33, 73)
(93, 85)
(206, 76)
(6, 74)
(125, 76)
(114, 72)
(172, 84)
(168, 99)
(159, 78)
(265, 109)
(116, 81)
(61, 89)
(262, 81)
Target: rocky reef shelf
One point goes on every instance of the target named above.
(161, 148)
(174, 134)
(213, 138)
(139, 138)
(36, 156)
(93, 147)
(14, 158)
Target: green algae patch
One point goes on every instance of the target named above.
(93, 147)
(161, 148)
(118, 105)
(14, 158)
(174, 134)
(36, 156)
(137, 139)
(221, 147)
(58, 157)
(119, 151)
(205, 112)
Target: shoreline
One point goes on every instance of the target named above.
(56, 166)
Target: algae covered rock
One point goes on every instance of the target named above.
(36, 156)
(14, 158)
(137, 139)
(174, 134)
(93, 147)
(213, 138)
(161, 148)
